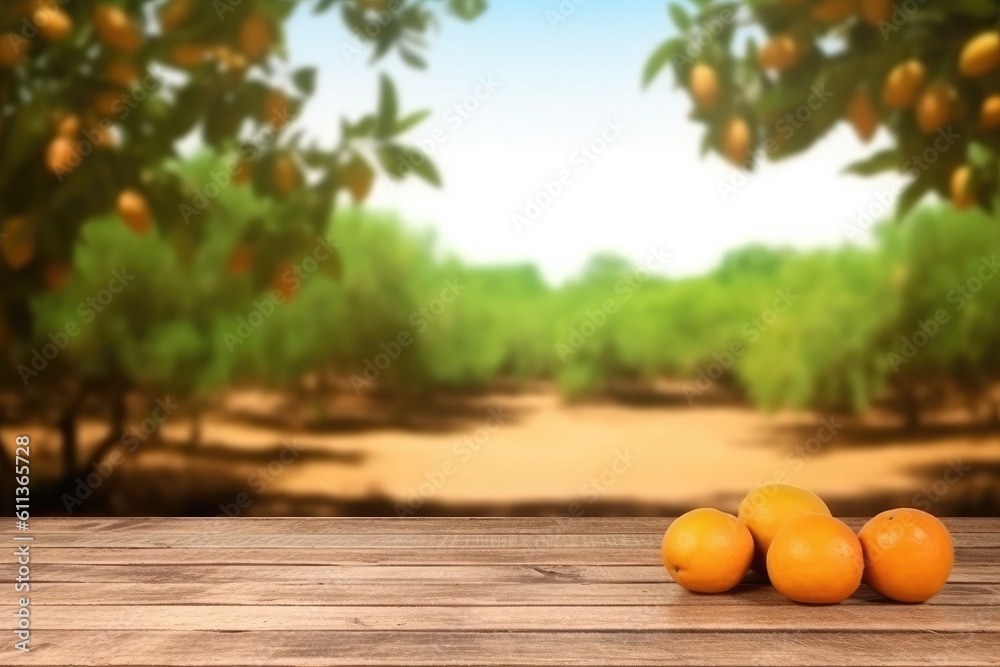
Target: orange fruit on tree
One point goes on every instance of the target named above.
(17, 242)
(780, 53)
(256, 35)
(189, 55)
(60, 155)
(769, 507)
(174, 14)
(285, 282)
(908, 554)
(53, 23)
(876, 11)
(833, 11)
(935, 107)
(704, 84)
(121, 73)
(116, 28)
(286, 175)
(56, 275)
(903, 84)
(240, 260)
(134, 210)
(69, 126)
(12, 49)
(981, 55)
(815, 559)
(707, 551)
(736, 141)
(989, 115)
(275, 109)
(962, 195)
(862, 115)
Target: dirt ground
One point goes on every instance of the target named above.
(532, 454)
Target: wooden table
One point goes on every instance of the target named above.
(453, 592)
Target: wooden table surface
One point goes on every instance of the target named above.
(418, 591)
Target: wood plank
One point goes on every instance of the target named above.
(404, 526)
(373, 574)
(425, 649)
(391, 556)
(254, 591)
(790, 617)
(150, 538)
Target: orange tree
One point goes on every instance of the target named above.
(95, 97)
(770, 77)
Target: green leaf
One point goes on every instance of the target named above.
(980, 155)
(467, 9)
(412, 58)
(887, 160)
(399, 162)
(405, 124)
(388, 108)
(659, 59)
(680, 17)
(305, 80)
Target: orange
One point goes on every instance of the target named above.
(833, 11)
(815, 559)
(704, 84)
(18, 247)
(981, 55)
(256, 36)
(780, 53)
(134, 210)
(116, 29)
(53, 23)
(908, 554)
(769, 507)
(862, 115)
(60, 155)
(935, 107)
(286, 175)
(903, 84)
(189, 55)
(736, 141)
(174, 14)
(69, 126)
(13, 48)
(876, 11)
(275, 109)
(121, 73)
(989, 115)
(707, 551)
(962, 195)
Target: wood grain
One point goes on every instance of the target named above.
(544, 591)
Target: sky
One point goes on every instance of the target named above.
(546, 100)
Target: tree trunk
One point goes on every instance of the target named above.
(119, 413)
(910, 407)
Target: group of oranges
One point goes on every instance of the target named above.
(788, 535)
